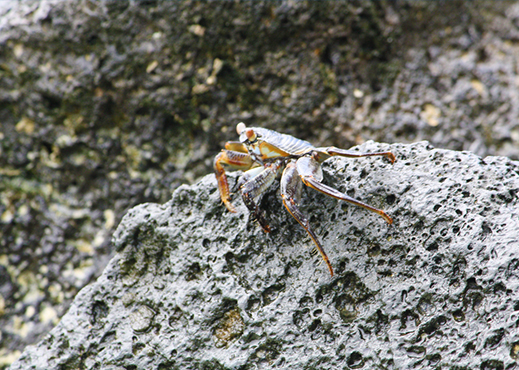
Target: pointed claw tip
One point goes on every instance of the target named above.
(230, 207)
(384, 215)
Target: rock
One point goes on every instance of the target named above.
(194, 286)
(109, 104)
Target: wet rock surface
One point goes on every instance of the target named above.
(106, 105)
(194, 286)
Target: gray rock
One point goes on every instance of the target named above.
(194, 286)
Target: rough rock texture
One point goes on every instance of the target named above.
(193, 286)
(108, 104)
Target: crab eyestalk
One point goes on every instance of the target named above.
(240, 127)
(251, 135)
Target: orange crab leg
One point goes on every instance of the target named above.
(311, 174)
(291, 193)
(235, 159)
(322, 154)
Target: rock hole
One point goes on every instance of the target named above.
(458, 315)
(314, 325)
(492, 365)
(432, 247)
(99, 311)
(355, 360)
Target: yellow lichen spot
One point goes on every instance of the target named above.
(479, 87)
(84, 246)
(133, 154)
(79, 273)
(99, 239)
(217, 67)
(197, 29)
(45, 68)
(78, 159)
(7, 216)
(4, 260)
(78, 214)
(74, 123)
(431, 115)
(25, 125)
(56, 293)
(21, 327)
(151, 67)
(358, 93)
(7, 358)
(109, 218)
(211, 80)
(29, 284)
(30, 311)
(514, 352)
(18, 50)
(48, 314)
(23, 210)
(9, 171)
(199, 89)
(230, 327)
(47, 190)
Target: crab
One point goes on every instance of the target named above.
(265, 154)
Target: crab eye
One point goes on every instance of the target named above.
(240, 127)
(251, 135)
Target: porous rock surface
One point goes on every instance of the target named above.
(194, 286)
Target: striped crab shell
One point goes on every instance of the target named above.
(266, 144)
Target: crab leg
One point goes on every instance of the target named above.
(321, 154)
(254, 188)
(311, 174)
(235, 159)
(291, 193)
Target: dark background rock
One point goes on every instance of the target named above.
(194, 286)
(105, 105)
